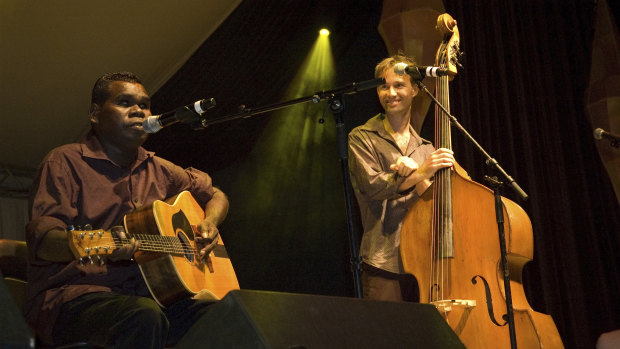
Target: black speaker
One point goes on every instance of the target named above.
(261, 319)
(14, 332)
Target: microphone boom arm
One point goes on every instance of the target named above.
(244, 112)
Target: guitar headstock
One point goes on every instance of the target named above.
(91, 245)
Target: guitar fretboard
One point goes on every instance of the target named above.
(159, 243)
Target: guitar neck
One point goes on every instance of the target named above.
(158, 243)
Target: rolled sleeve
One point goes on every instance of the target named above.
(369, 171)
(197, 182)
(201, 185)
(52, 204)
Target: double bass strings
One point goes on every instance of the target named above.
(442, 215)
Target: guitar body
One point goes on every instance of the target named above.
(172, 277)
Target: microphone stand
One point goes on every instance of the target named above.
(499, 213)
(336, 104)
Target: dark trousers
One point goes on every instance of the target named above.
(113, 320)
(378, 284)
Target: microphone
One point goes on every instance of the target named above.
(419, 73)
(599, 134)
(185, 114)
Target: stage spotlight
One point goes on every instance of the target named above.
(324, 32)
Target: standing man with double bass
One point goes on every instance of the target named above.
(390, 166)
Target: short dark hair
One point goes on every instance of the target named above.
(391, 61)
(101, 90)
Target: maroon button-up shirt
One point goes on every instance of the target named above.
(77, 185)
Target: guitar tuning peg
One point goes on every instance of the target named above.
(70, 227)
(90, 260)
(81, 261)
(88, 227)
(101, 262)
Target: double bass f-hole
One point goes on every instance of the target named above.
(489, 299)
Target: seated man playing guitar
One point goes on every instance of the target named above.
(97, 182)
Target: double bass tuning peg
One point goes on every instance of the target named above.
(458, 63)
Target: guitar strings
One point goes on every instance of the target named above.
(158, 243)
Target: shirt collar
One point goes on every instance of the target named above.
(91, 148)
(375, 124)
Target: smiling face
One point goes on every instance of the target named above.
(118, 120)
(396, 95)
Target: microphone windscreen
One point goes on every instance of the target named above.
(151, 124)
(400, 68)
(598, 133)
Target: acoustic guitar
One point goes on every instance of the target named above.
(168, 257)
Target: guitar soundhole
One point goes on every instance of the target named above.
(185, 234)
(189, 255)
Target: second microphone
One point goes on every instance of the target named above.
(186, 114)
(420, 72)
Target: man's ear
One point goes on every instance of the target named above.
(416, 90)
(94, 113)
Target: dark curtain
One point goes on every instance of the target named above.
(520, 94)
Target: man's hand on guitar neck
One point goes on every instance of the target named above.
(127, 250)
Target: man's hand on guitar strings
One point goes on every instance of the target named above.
(208, 238)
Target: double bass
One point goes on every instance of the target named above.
(449, 242)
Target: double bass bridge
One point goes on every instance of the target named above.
(446, 305)
(455, 311)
